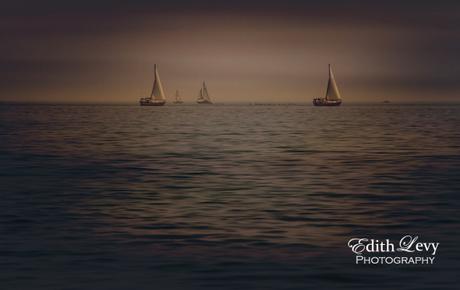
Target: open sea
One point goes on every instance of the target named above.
(225, 196)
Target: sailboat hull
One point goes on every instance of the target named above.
(151, 103)
(204, 102)
(326, 103)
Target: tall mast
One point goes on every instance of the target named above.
(154, 81)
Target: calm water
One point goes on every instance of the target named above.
(225, 197)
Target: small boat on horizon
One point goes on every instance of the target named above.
(203, 97)
(178, 99)
(157, 97)
(332, 93)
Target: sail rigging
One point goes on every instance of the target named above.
(332, 92)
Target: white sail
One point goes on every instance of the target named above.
(200, 95)
(205, 94)
(203, 97)
(178, 99)
(332, 92)
(158, 93)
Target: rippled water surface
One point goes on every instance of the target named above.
(225, 196)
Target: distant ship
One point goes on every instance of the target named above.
(178, 99)
(203, 97)
(386, 102)
(332, 93)
(157, 97)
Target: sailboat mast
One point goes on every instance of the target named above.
(328, 82)
(154, 80)
(205, 92)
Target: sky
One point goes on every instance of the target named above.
(246, 51)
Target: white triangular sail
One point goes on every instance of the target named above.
(203, 97)
(178, 99)
(205, 94)
(200, 95)
(332, 93)
(158, 93)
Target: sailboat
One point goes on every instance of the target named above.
(203, 97)
(332, 93)
(157, 97)
(178, 99)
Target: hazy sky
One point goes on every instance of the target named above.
(104, 51)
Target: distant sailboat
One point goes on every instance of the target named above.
(157, 97)
(332, 93)
(203, 97)
(178, 99)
